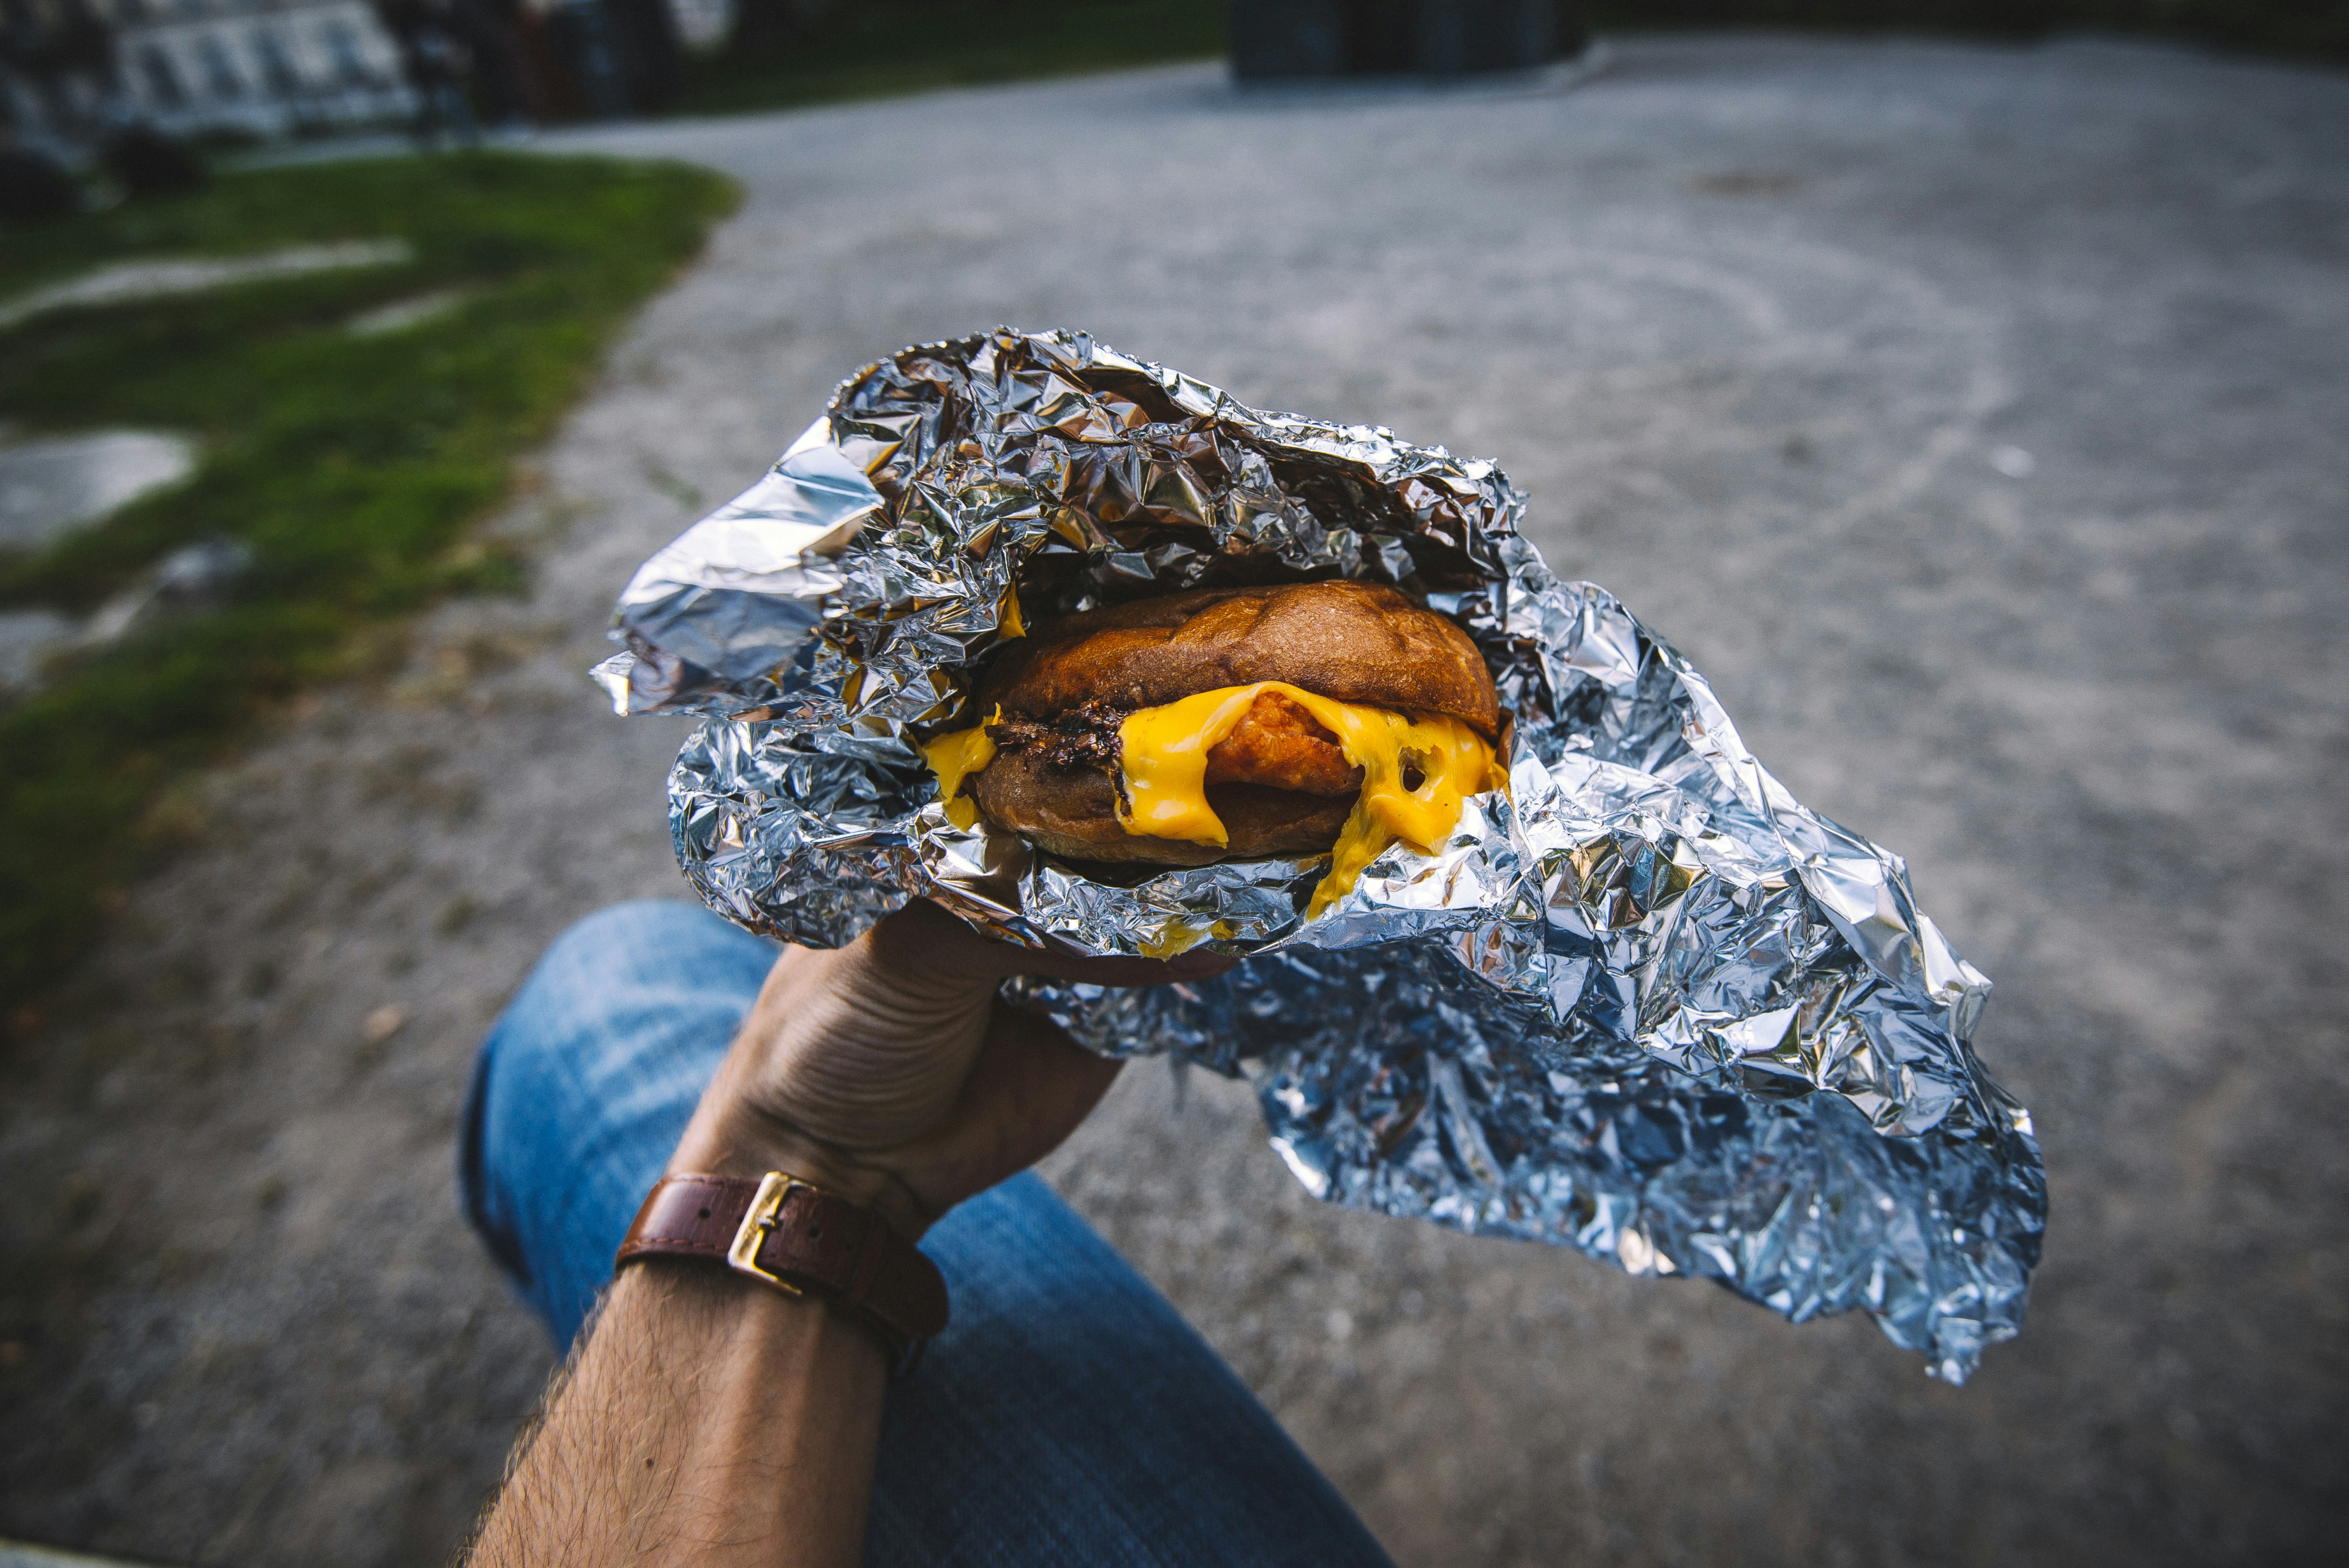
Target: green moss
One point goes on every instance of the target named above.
(352, 468)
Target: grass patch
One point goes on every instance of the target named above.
(350, 466)
(885, 49)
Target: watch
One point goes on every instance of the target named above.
(795, 1237)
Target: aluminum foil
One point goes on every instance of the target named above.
(1645, 1004)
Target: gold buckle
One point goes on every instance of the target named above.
(766, 1209)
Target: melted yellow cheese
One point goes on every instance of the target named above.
(955, 756)
(1163, 756)
(1180, 936)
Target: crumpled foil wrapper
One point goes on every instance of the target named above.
(1646, 1005)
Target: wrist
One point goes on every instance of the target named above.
(716, 1310)
(795, 1238)
(729, 1138)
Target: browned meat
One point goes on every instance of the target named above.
(1281, 746)
(1277, 745)
(1085, 736)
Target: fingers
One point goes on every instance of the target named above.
(923, 942)
(925, 945)
(1124, 971)
(1029, 1089)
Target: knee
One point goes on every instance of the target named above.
(567, 1040)
(645, 968)
(641, 934)
(600, 966)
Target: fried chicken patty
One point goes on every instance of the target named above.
(1276, 743)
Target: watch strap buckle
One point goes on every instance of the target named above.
(799, 1239)
(759, 1221)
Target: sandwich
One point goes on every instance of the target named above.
(1230, 724)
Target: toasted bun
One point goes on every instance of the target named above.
(1072, 813)
(1355, 642)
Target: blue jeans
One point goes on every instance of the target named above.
(1069, 1415)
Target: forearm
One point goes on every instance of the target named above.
(713, 1421)
(708, 1420)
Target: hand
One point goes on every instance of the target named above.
(889, 1071)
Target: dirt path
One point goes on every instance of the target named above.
(1971, 416)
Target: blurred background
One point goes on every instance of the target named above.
(233, 73)
(1959, 383)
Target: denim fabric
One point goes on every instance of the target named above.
(1067, 1415)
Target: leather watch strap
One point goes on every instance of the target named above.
(799, 1239)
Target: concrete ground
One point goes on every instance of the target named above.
(1972, 416)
